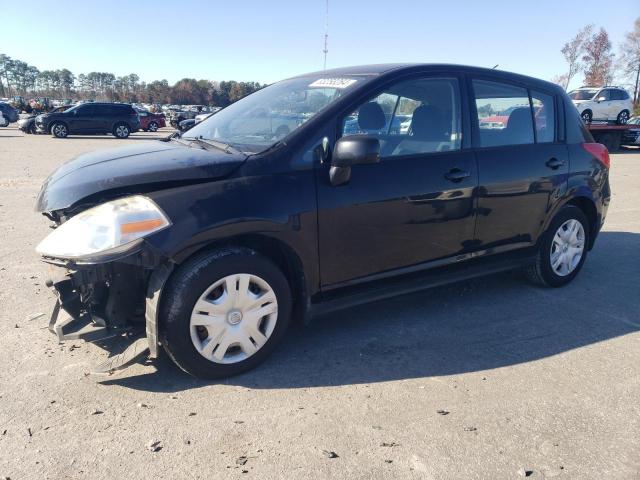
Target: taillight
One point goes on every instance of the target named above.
(599, 151)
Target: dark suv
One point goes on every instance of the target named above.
(118, 119)
(303, 198)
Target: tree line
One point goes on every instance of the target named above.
(19, 78)
(590, 52)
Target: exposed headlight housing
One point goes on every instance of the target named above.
(110, 228)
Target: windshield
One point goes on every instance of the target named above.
(582, 94)
(261, 119)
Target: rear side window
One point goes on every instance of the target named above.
(504, 114)
(544, 116)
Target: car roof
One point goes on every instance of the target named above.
(388, 68)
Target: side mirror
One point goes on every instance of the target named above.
(349, 151)
(601, 99)
(356, 150)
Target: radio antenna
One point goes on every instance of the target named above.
(326, 34)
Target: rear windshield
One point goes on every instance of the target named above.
(582, 94)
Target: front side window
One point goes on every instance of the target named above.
(411, 117)
(504, 114)
(261, 119)
(544, 116)
(603, 96)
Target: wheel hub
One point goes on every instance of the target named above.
(234, 317)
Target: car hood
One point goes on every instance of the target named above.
(143, 167)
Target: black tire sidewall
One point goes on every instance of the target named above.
(185, 287)
(566, 213)
(587, 116)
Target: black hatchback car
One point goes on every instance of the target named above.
(118, 119)
(319, 192)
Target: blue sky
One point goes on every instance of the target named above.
(269, 40)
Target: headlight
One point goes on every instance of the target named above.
(112, 227)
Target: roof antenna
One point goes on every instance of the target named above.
(326, 34)
(495, 66)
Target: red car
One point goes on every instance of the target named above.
(151, 122)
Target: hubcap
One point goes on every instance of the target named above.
(624, 116)
(233, 318)
(153, 127)
(567, 247)
(121, 131)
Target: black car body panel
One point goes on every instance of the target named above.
(395, 218)
(132, 168)
(9, 112)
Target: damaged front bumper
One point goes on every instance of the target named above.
(99, 301)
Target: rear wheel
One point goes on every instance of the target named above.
(563, 249)
(121, 130)
(587, 116)
(59, 130)
(623, 117)
(153, 127)
(223, 312)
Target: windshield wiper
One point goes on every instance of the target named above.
(225, 147)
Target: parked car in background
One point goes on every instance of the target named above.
(3, 121)
(632, 135)
(118, 119)
(607, 103)
(187, 124)
(9, 113)
(151, 122)
(217, 238)
(189, 112)
(28, 124)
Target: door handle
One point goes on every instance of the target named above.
(553, 163)
(456, 175)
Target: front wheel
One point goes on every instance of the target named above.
(121, 130)
(587, 116)
(223, 312)
(562, 250)
(59, 130)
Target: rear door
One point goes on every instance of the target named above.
(523, 165)
(417, 204)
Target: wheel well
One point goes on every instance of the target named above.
(277, 251)
(589, 209)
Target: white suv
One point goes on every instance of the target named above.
(606, 103)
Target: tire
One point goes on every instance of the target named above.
(189, 285)
(121, 130)
(587, 116)
(32, 129)
(623, 117)
(542, 272)
(153, 127)
(59, 130)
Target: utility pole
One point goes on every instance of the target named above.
(326, 34)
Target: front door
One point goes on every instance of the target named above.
(417, 204)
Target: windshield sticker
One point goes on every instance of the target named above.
(333, 83)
